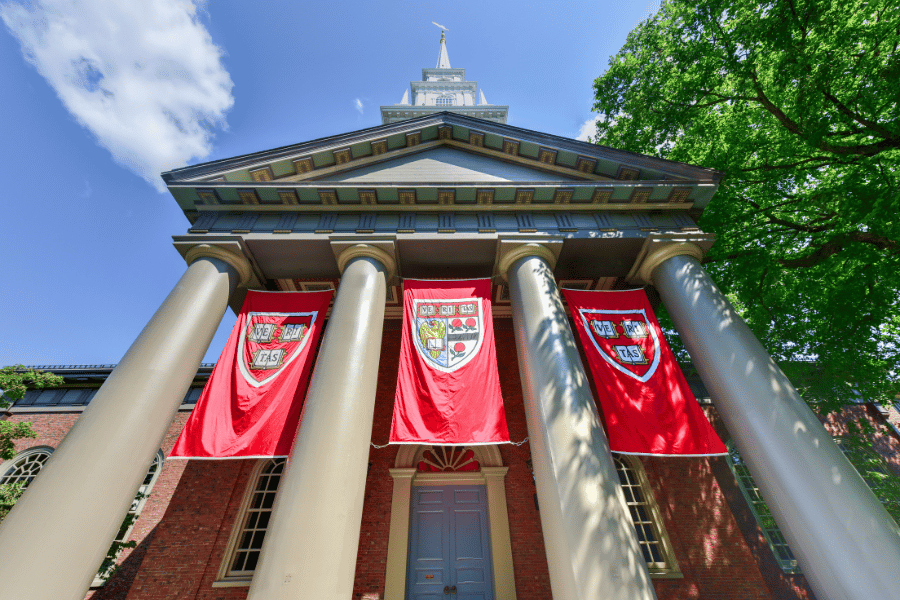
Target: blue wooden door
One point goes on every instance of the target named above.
(449, 546)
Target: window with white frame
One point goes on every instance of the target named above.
(645, 515)
(445, 100)
(137, 505)
(247, 536)
(761, 511)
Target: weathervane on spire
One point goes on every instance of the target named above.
(443, 59)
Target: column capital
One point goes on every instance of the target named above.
(494, 472)
(510, 252)
(240, 263)
(658, 248)
(402, 473)
(367, 250)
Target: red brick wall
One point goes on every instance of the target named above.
(183, 558)
(884, 440)
(711, 551)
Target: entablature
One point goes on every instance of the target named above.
(457, 75)
(304, 256)
(478, 197)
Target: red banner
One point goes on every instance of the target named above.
(250, 408)
(646, 401)
(448, 387)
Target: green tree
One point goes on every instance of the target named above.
(14, 382)
(796, 103)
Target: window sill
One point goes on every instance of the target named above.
(661, 574)
(229, 583)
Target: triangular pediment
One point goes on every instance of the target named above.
(358, 152)
(433, 154)
(445, 164)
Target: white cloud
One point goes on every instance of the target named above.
(359, 106)
(144, 77)
(588, 129)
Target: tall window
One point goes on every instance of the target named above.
(645, 515)
(875, 472)
(137, 505)
(247, 537)
(761, 511)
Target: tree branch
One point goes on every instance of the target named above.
(858, 118)
(793, 127)
(838, 243)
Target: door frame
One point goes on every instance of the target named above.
(492, 475)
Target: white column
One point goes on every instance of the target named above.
(54, 539)
(501, 546)
(398, 540)
(592, 548)
(846, 543)
(310, 548)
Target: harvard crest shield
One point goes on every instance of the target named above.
(625, 339)
(270, 342)
(448, 333)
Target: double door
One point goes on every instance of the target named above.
(449, 544)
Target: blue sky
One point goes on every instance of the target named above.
(101, 96)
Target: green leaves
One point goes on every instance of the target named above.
(790, 101)
(16, 379)
(9, 494)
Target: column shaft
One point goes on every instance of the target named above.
(846, 543)
(498, 520)
(54, 539)
(592, 549)
(312, 540)
(398, 541)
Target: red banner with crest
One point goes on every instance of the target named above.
(448, 387)
(250, 407)
(646, 402)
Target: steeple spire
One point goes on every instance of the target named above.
(443, 59)
(443, 89)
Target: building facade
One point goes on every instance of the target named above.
(448, 193)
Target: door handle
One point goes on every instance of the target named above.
(452, 589)
(447, 590)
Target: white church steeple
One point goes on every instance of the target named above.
(443, 59)
(443, 88)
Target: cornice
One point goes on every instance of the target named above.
(253, 160)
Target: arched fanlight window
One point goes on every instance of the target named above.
(25, 466)
(447, 458)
